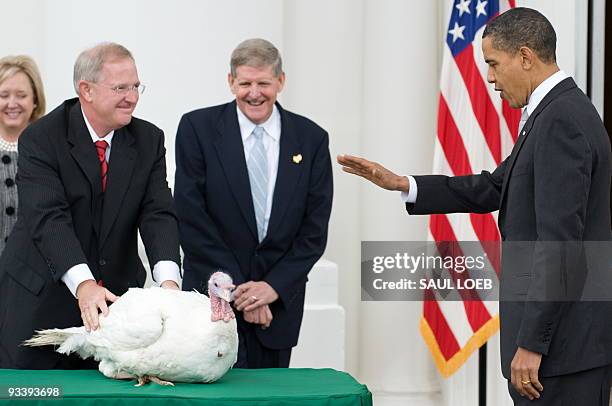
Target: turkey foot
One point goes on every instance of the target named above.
(147, 378)
(123, 375)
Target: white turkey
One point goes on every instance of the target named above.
(159, 335)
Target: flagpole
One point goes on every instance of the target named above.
(482, 375)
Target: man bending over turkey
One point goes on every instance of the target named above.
(90, 177)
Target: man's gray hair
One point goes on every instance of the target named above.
(256, 52)
(89, 63)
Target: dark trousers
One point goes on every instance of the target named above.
(73, 361)
(45, 358)
(252, 354)
(584, 388)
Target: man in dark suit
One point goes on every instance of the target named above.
(253, 193)
(90, 176)
(553, 197)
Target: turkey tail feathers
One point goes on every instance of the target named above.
(69, 339)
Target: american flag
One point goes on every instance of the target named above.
(476, 130)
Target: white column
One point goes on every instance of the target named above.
(400, 101)
(22, 30)
(322, 49)
(322, 336)
(497, 387)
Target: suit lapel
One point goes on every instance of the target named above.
(289, 171)
(230, 150)
(84, 153)
(563, 86)
(515, 151)
(120, 168)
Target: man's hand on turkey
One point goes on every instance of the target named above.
(92, 299)
(170, 284)
(155, 334)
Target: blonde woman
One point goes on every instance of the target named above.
(22, 100)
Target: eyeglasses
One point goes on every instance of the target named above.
(122, 90)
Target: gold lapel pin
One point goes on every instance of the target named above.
(297, 158)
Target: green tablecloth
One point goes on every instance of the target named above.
(304, 387)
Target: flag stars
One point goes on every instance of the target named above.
(480, 8)
(464, 7)
(457, 32)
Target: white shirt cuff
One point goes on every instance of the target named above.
(75, 276)
(166, 270)
(411, 196)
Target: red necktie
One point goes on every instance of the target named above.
(101, 149)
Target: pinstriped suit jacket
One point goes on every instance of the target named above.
(65, 220)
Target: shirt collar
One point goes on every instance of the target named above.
(94, 137)
(271, 125)
(543, 89)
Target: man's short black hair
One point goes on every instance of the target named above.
(520, 27)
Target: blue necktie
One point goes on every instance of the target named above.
(258, 178)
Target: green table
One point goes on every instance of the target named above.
(303, 387)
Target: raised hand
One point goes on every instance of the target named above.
(374, 172)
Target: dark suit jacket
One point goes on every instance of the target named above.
(65, 219)
(553, 194)
(217, 220)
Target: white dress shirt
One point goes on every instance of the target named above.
(162, 271)
(534, 100)
(271, 141)
(543, 89)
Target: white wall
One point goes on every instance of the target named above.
(323, 61)
(399, 123)
(366, 70)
